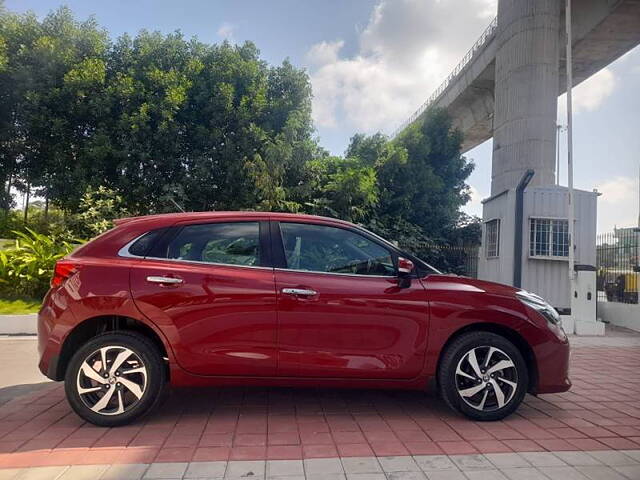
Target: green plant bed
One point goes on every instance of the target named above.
(18, 306)
(6, 243)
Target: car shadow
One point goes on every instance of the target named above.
(11, 392)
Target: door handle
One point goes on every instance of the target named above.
(299, 291)
(171, 280)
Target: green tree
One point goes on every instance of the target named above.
(103, 128)
(428, 189)
(42, 131)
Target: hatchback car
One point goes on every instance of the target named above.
(245, 298)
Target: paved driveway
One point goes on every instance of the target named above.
(599, 415)
(19, 372)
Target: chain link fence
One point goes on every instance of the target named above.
(618, 265)
(460, 260)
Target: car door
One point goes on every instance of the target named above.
(210, 287)
(341, 310)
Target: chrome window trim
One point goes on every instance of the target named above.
(334, 273)
(124, 251)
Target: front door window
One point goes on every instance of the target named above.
(319, 248)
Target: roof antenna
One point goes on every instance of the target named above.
(176, 204)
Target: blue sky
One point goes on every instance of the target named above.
(372, 62)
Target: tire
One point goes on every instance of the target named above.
(486, 397)
(134, 388)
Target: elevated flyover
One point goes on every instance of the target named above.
(507, 85)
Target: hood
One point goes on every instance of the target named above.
(466, 284)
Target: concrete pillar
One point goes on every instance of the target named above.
(526, 92)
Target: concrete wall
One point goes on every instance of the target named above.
(620, 314)
(498, 269)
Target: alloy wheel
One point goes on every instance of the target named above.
(486, 378)
(111, 380)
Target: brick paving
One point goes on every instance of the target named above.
(600, 415)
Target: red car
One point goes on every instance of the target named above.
(246, 298)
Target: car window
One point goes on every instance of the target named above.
(229, 243)
(142, 245)
(320, 248)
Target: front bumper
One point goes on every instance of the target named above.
(553, 359)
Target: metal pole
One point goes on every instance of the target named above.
(570, 144)
(558, 128)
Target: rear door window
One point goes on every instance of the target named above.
(233, 243)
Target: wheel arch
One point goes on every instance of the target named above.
(94, 326)
(510, 334)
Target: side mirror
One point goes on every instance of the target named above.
(405, 268)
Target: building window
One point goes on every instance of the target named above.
(549, 238)
(492, 238)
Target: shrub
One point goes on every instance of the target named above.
(27, 268)
(98, 207)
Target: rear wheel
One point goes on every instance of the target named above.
(483, 376)
(114, 378)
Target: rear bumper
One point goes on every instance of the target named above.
(53, 318)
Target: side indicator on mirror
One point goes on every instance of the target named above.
(405, 266)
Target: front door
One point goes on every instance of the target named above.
(212, 292)
(341, 312)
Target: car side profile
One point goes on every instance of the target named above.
(250, 298)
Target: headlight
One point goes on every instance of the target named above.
(537, 303)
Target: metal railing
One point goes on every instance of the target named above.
(487, 35)
(618, 265)
(461, 260)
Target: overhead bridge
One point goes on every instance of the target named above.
(508, 83)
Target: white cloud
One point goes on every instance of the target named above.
(226, 30)
(617, 207)
(324, 53)
(405, 51)
(474, 205)
(590, 94)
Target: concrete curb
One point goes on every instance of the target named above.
(19, 324)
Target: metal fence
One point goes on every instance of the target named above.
(487, 35)
(461, 260)
(618, 265)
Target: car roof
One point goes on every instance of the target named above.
(170, 218)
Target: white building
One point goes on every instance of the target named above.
(536, 258)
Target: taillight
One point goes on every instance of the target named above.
(63, 270)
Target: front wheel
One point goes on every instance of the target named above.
(483, 376)
(114, 378)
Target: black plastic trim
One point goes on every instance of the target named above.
(584, 268)
(517, 237)
(277, 248)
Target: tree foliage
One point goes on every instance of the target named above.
(101, 128)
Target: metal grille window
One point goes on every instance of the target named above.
(492, 238)
(549, 238)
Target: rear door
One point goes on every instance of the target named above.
(210, 287)
(341, 311)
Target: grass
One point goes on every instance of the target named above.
(18, 306)
(6, 243)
